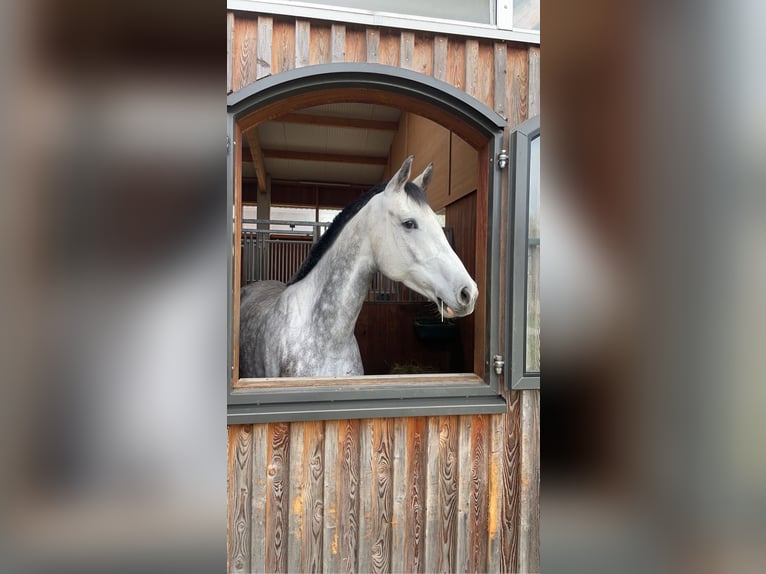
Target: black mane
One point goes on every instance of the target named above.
(340, 221)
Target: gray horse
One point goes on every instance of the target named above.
(306, 328)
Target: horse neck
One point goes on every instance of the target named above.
(339, 283)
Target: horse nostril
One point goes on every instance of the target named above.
(465, 296)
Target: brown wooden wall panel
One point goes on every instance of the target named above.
(464, 168)
(411, 494)
(430, 142)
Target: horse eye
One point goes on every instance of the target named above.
(410, 224)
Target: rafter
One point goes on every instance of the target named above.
(257, 154)
(332, 157)
(362, 124)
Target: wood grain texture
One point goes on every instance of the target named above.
(509, 536)
(283, 46)
(499, 80)
(356, 44)
(440, 58)
(463, 524)
(320, 51)
(486, 75)
(478, 499)
(472, 67)
(456, 63)
(240, 512)
(407, 50)
(423, 57)
(244, 52)
(432, 517)
(349, 481)
(372, 45)
(260, 494)
(389, 48)
(278, 496)
(534, 82)
(332, 491)
(529, 507)
(448, 472)
(414, 513)
(400, 482)
(338, 42)
(480, 362)
(382, 497)
(366, 494)
(517, 86)
(313, 497)
(297, 488)
(495, 492)
(302, 43)
(263, 60)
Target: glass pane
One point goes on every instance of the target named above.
(532, 361)
(480, 11)
(526, 14)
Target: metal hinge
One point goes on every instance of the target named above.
(498, 363)
(228, 144)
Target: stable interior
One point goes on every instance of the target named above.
(306, 165)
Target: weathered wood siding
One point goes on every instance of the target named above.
(438, 494)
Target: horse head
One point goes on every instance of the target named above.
(410, 246)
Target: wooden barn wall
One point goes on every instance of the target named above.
(437, 494)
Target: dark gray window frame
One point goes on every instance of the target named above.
(518, 211)
(386, 400)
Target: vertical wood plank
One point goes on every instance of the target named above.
(500, 55)
(401, 479)
(356, 45)
(313, 497)
(302, 43)
(529, 503)
(423, 61)
(245, 52)
(320, 51)
(432, 495)
(297, 488)
(509, 535)
(332, 491)
(534, 81)
(440, 58)
(349, 437)
(278, 493)
(382, 498)
(229, 50)
(415, 504)
(456, 63)
(260, 494)
(263, 60)
(240, 512)
(373, 45)
(366, 489)
(448, 471)
(478, 496)
(472, 67)
(482, 224)
(390, 44)
(495, 501)
(517, 86)
(407, 50)
(464, 491)
(485, 88)
(338, 42)
(283, 46)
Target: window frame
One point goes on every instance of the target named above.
(517, 260)
(268, 400)
(503, 29)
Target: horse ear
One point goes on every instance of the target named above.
(402, 176)
(424, 178)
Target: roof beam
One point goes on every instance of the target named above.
(257, 154)
(331, 121)
(332, 157)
